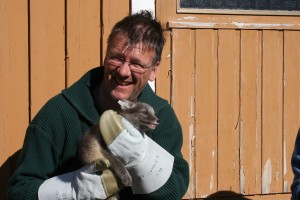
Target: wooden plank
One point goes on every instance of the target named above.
(183, 95)
(111, 14)
(272, 104)
(164, 75)
(13, 84)
(165, 10)
(83, 38)
(291, 119)
(47, 51)
(228, 195)
(235, 25)
(250, 135)
(228, 110)
(270, 197)
(206, 112)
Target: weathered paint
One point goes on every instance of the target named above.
(242, 180)
(284, 159)
(190, 18)
(232, 25)
(267, 177)
(192, 24)
(211, 183)
(261, 25)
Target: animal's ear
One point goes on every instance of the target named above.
(125, 104)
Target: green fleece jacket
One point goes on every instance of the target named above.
(51, 140)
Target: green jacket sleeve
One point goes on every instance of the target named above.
(49, 149)
(34, 166)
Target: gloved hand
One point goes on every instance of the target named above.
(93, 181)
(148, 163)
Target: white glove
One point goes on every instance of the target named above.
(148, 163)
(81, 184)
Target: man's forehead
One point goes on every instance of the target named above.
(124, 45)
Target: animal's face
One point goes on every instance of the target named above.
(140, 115)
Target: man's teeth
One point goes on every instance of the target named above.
(122, 83)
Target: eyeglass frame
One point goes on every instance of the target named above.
(141, 69)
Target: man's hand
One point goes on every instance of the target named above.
(148, 163)
(93, 181)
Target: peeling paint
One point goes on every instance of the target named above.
(211, 183)
(195, 24)
(191, 146)
(284, 159)
(192, 136)
(190, 18)
(267, 177)
(192, 106)
(277, 174)
(191, 22)
(260, 25)
(286, 187)
(242, 180)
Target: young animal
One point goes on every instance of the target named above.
(92, 147)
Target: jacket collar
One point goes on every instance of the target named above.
(80, 94)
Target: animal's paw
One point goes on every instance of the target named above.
(126, 180)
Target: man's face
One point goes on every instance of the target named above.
(122, 82)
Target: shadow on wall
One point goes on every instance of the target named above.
(6, 170)
(226, 195)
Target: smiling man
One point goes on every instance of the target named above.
(127, 70)
(48, 167)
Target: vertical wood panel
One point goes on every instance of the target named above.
(272, 99)
(83, 37)
(13, 84)
(206, 112)
(164, 75)
(291, 102)
(112, 12)
(250, 139)
(47, 67)
(183, 95)
(228, 111)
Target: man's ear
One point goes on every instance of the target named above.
(153, 72)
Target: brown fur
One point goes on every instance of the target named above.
(92, 147)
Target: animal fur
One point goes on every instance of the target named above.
(92, 147)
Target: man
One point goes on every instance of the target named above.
(295, 162)
(48, 164)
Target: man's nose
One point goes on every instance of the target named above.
(124, 69)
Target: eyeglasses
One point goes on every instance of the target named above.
(117, 61)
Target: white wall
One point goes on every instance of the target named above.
(137, 5)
